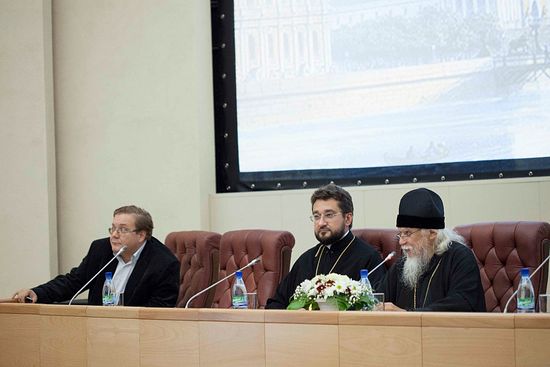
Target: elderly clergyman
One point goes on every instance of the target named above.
(437, 272)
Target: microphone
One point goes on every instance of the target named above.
(388, 258)
(122, 249)
(530, 276)
(253, 262)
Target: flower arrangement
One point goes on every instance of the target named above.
(345, 293)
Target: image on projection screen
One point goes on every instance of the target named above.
(325, 84)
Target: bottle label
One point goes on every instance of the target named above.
(526, 304)
(238, 297)
(107, 300)
(239, 301)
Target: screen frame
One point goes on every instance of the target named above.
(229, 178)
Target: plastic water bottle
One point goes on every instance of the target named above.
(365, 282)
(108, 290)
(238, 293)
(526, 293)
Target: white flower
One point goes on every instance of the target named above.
(329, 286)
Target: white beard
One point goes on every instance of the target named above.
(414, 267)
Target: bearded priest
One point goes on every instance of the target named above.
(437, 271)
(338, 250)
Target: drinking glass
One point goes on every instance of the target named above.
(378, 302)
(119, 299)
(544, 303)
(252, 299)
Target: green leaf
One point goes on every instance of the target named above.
(341, 302)
(297, 304)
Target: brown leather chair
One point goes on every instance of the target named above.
(502, 249)
(238, 248)
(384, 240)
(198, 253)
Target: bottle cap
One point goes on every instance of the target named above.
(524, 272)
(108, 275)
(364, 273)
(239, 274)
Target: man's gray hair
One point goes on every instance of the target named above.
(444, 238)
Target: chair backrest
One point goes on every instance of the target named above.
(384, 240)
(238, 248)
(198, 253)
(501, 250)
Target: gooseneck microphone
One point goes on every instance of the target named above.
(253, 262)
(530, 276)
(388, 258)
(122, 249)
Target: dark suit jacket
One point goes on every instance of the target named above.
(154, 281)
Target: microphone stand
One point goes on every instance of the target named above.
(122, 249)
(389, 257)
(253, 262)
(530, 276)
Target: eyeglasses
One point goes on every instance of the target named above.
(328, 216)
(406, 234)
(121, 230)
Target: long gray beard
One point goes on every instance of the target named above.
(413, 268)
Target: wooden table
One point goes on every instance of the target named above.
(58, 335)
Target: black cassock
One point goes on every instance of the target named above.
(451, 283)
(358, 255)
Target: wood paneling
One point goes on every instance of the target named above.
(389, 346)
(221, 314)
(157, 313)
(302, 317)
(232, 343)
(63, 341)
(468, 320)
(113, 342)
(380, 318)
(89, 336)
(19, 340)
(532, 348)
(467, 347)
(169, 343)
(301, 345)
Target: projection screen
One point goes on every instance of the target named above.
(374, 92)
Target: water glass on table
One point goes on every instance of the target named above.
(544, 303)
(378, 302)
(252, 299)
(118, 299)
